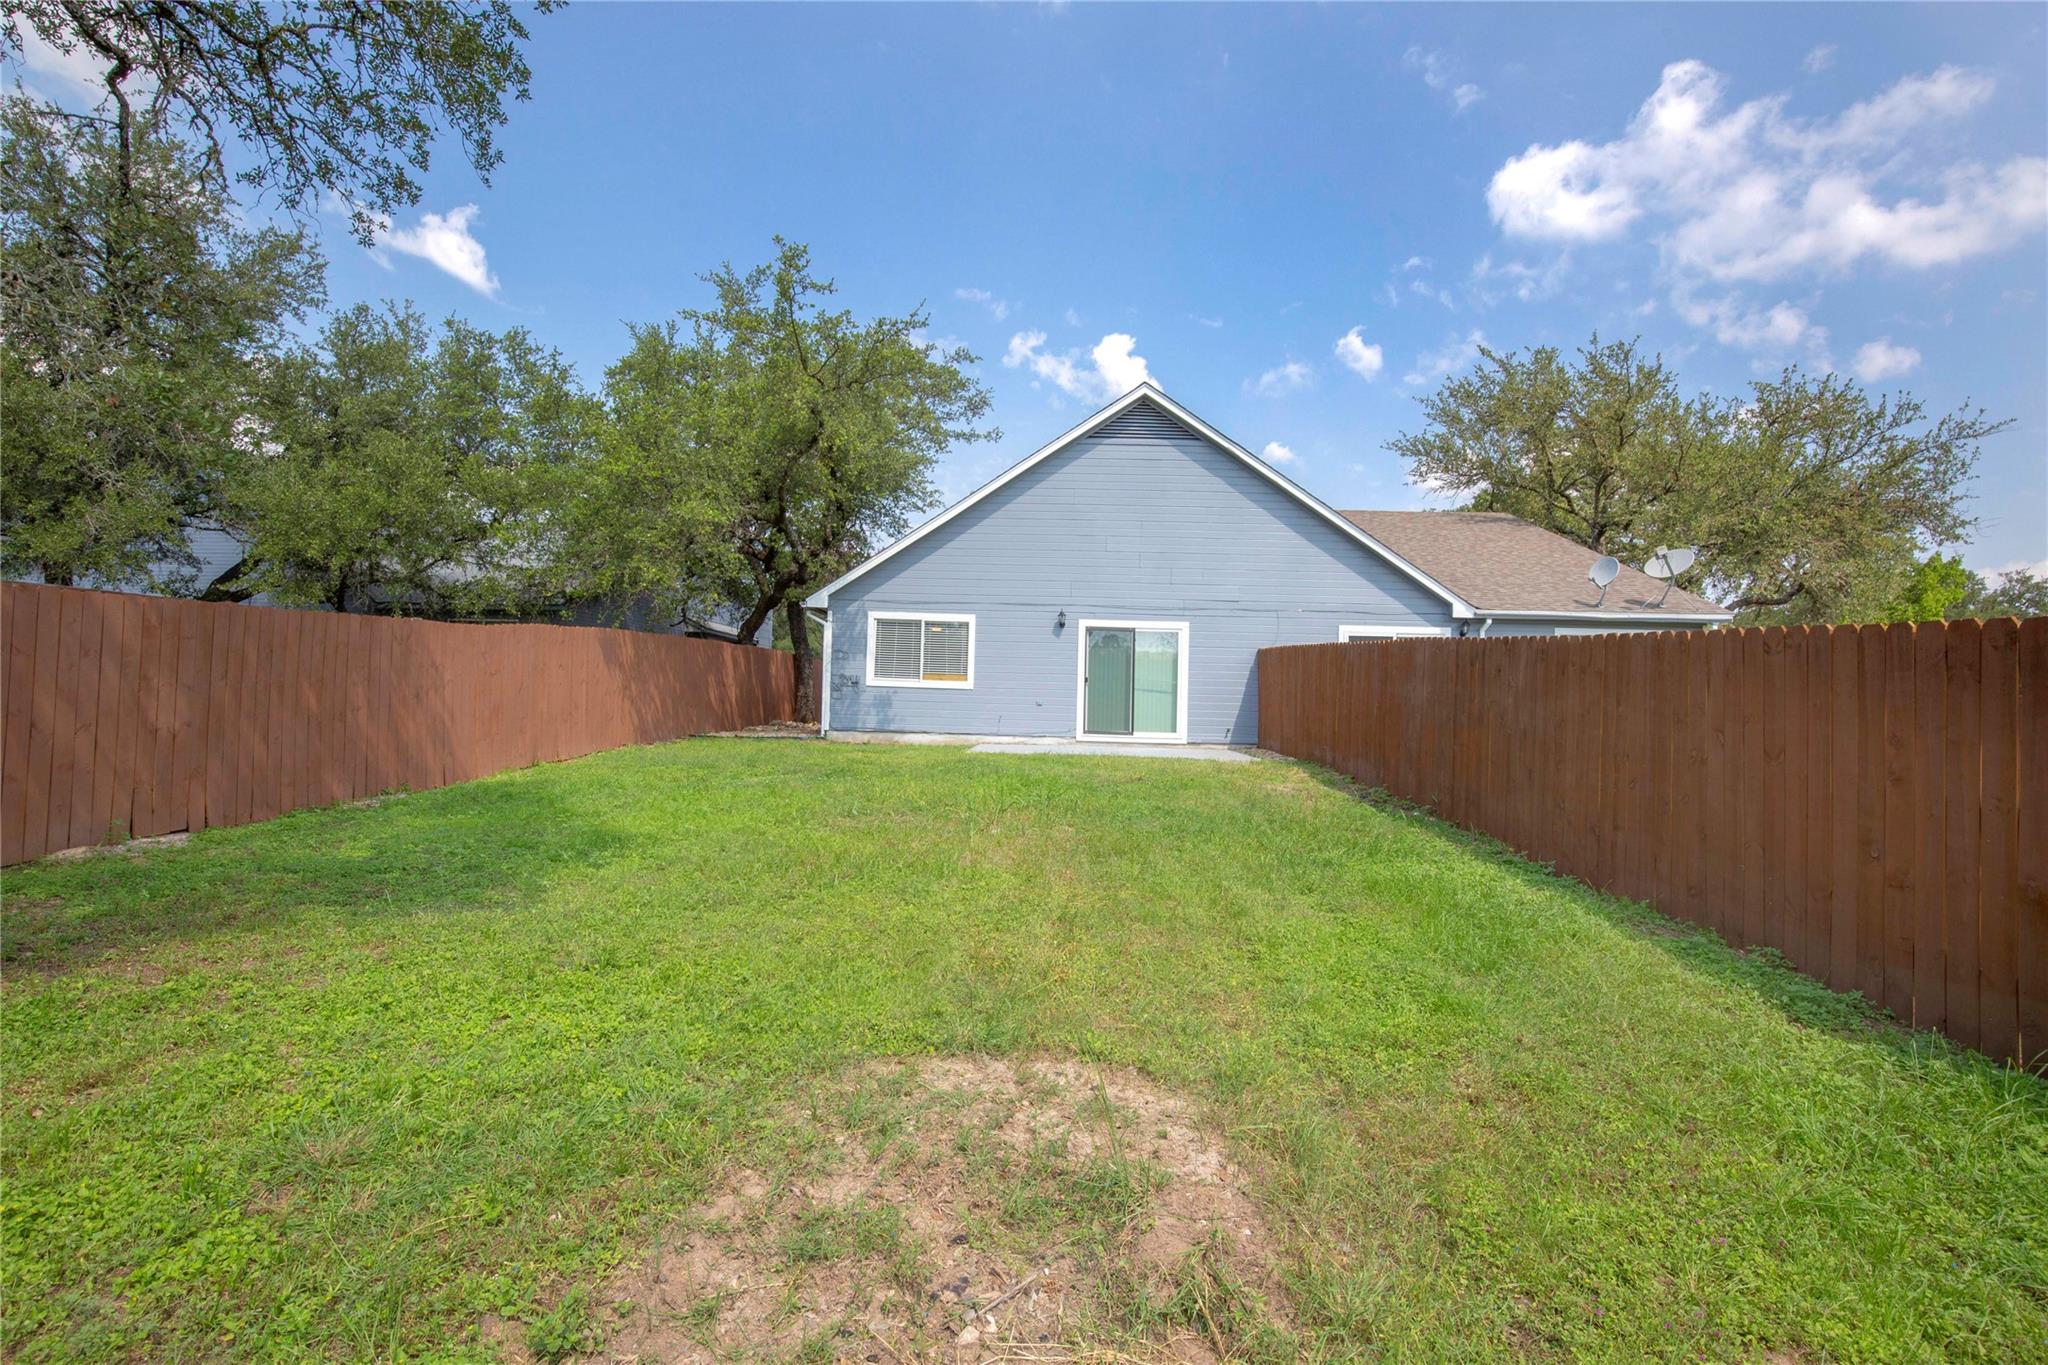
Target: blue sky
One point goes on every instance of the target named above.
(1294, 219)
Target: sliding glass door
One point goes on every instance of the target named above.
(1132, 685)
(1110, 677)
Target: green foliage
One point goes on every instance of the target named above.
(1937, 587)
(424, 467)
(767, 443)
(136, 339)
(652, 515)
(1808, 499)
(340, 1084)
(2017, 592)
(318, 97)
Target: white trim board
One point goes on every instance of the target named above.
(1460, 609)
(1180, 699)
(1693, 618)
(912, 614)
(1348, 633)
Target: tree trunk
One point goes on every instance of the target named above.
(56, 575)
(227, 585)
(806, 663)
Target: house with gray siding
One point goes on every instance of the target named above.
(1119, 582)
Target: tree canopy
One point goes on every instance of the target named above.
(1940, 588)
(340, 97)
(410, 471)
(138, 335)
(763, 445)
(1808, 498)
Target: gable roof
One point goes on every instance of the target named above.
(1159, 405)
(1505, 566)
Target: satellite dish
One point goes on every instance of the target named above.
(1604, 571)
(1668, 564)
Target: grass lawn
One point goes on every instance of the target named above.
(349, 1082)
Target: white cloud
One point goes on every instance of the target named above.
(1880, 359)
(941, 344)
(1281, 380)
(1209, 322)
(1436, 73)
(2038, 568)
(1073, 318)
(1454, 356)
(1490, 283)
(1428, 291)
(998, 308)
(444, 240)
(1112, 369)
(1275, 453)
(1416, 263)
(1362, 359)
(1751, 193)
(76, 80)
(1779, 329)
(1820, 59)
(1561, 193)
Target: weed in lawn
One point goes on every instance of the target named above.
(563, 1331)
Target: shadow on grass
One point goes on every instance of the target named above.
(460, 847)
(1761, 972)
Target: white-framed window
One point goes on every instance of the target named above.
(1349, 633)
(920, 649)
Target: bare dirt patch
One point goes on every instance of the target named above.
(969, 1209)
(780, 729)
(131, 848)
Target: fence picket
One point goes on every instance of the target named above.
(2031, 942)
(18, 656)
(1901, 841)
(1997, 889)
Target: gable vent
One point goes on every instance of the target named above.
(1143, 420)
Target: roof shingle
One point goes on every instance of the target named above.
(1499, 562)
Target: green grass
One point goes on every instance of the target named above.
(343, 1083)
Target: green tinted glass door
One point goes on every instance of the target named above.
(1156, 683)
(1108, 686)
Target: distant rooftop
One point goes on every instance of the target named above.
(1499, 562)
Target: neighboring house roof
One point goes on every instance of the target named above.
(1504, 565)
(1149, 393)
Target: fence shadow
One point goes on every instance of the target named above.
(475, 846)
(1760, 972)
(1871, 801)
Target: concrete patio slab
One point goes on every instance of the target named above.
(1211, 753)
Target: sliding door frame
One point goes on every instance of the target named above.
(1180, 701)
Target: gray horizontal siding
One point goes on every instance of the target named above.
(1123, 526)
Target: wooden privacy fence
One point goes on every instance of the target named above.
(1872, 801)
(128, 715)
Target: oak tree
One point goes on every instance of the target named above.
(1809, 499)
